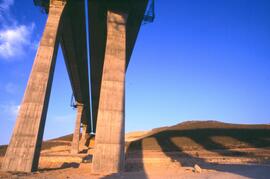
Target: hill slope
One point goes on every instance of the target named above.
(209, 135)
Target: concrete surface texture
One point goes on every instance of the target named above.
(97, 11)
(209, 150)
(74, 48)
(113, 37)
(236, 151)
(24, 148)
(76, 135)
(109, 144)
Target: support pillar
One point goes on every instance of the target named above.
(84, 136)
(77, 130)
(24, 148)
(110, 142)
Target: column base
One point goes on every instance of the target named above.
(109, 158)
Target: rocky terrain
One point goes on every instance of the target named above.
(193, 149)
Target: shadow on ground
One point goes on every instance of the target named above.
(175, 144)
(65, 165)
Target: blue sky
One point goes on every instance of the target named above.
(199, 60)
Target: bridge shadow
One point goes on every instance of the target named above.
(133, 162)
(169, 142)
(65, 165)
(205, 139)
(88, 145)
(3, 149)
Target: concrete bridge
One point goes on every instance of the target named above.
(113, 29)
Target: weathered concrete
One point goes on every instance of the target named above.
(112, 40)
(97, 29)
(74, 48)
(76, 135)
(97, 10)
(84, 136)
(24, 148)
(109, 142)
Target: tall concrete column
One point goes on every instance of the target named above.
(77, 130)
(24, 148)
(110, 142)
(85, 135)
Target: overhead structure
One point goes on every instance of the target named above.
(113, 28)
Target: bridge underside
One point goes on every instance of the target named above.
(113, 29)
(97, 11)
(74, 48)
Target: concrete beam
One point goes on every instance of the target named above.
(97, 12)
(109, 142)
(73, 43)
(136, 14)
(97, 28)
(24, 148)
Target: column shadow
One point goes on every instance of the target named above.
(65, 165)
(3, 149)
(133, 162)
(257, 138)
(247, 138)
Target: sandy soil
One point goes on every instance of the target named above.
(220, 150)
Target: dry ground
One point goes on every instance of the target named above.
(221, 150)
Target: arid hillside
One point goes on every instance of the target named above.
(193, 149)
(208, 135)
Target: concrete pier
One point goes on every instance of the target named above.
(109, 142)
(84, 137)
(76, 135)
(24, 148)
(113, 30)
